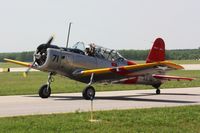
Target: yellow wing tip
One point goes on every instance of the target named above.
(6, 59)
(172, 64)
(18, 62)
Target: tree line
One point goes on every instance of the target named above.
(177, 54)
(22, 56)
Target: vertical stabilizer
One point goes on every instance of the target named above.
(157, 52)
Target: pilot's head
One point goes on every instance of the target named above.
(87, 48)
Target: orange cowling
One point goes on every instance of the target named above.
(157, 52)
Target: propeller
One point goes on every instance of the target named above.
(49, 41)
(40, 54)
(25, 74)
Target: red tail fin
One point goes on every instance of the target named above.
(157, 52)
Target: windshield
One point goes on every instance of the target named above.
(79, 45)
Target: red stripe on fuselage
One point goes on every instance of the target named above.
(120, 71)
(130, 62)
(131, 81)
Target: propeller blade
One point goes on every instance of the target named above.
(49, 41)
(25, 74)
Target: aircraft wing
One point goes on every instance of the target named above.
(132, 70)
(18, 62)
(169, 78)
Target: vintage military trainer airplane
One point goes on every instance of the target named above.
(92, 63)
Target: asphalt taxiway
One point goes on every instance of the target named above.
(73, 102)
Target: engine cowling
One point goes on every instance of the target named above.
(47, 58)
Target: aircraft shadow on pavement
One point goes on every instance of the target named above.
(130, 98)
(96, 97)
(178, 94)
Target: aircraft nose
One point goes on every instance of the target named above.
(40, 54)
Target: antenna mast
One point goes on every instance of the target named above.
(68, 34)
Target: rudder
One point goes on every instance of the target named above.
(157, 52)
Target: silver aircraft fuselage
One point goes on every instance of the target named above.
(67, 62)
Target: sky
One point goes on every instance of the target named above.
(115, 24)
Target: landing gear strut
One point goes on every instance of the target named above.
(45, 90)
(157, 88)
(89, 92)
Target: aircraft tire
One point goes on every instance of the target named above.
(44, 92)
(88, 93)
(157, 91)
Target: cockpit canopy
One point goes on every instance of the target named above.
(99, 52)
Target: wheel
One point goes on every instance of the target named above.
(88, 93)
(44, 92)
(157, 91)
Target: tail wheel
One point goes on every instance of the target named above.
(45, 91)
(157, 91)
(88, 93)
(157, 88)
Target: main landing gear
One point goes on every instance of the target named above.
(157, 88)
(89, 92)
(45, 90)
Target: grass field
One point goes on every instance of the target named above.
(168, 120)
(15, 83)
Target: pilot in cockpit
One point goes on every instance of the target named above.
(90, 49)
